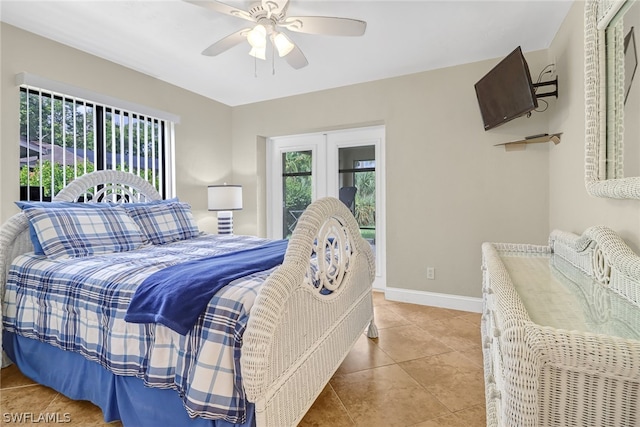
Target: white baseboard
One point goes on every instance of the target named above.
(454, 302)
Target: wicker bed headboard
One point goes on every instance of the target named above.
(104, 186)
(109, 185)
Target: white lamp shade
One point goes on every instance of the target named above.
(258, 52)
(224, 197)
(257, 37)
(283, 44)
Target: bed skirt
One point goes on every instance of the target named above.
(122, 398)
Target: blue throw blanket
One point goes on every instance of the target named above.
(177, 295)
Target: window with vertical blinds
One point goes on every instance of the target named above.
(63, 137)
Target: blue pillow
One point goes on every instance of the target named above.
(164, 222)
(83, 229)
(37, 247)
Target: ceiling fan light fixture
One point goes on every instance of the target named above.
(259, 52)
(257, 37)
(283, 44)
(267, 17)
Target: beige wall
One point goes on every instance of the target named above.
(570, 207)
(203, 152)
(448, 188)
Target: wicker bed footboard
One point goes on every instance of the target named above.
(303, 324)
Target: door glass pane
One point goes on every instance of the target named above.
(358, 169)
(296, 188)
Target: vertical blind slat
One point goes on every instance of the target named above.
(161, 152)
(62, 131)
(75, 140)
(121, 121)
(114, 160)
(52, 141)
(130, 144)
(138, 148)
(146, 150)
(40, 154)
(63, 143)
(28, 141)
(152, 163)
(84, 137)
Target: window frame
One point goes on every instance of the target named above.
(162, 132)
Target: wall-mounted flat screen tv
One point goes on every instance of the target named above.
(506, 92)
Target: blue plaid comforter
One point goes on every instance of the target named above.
(79, 305)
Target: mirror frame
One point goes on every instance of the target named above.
(604, 101)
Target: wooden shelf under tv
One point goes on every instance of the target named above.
(522, 143)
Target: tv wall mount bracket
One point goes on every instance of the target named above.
(549, 83)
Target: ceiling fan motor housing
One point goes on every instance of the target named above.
(258, 11)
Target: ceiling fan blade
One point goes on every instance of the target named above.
(326, 25)
(296, 58)
(226, 43)
(217, 6)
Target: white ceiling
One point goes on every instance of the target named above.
(164, 38)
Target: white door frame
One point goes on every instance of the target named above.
(275, 148)
(358, 138)
(325, 148)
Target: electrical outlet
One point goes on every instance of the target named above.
(431, 273)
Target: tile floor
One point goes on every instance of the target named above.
(424, 370)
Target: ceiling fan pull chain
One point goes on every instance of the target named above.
(255, 67)
(273, 59)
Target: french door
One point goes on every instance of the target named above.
(347, 164)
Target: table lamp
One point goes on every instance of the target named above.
(225, 199)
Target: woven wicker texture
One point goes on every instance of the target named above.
(297, 337)
(111, 186)
(604, 109)
(303, 322)
(539, 375)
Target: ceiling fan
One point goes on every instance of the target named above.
(269, 18)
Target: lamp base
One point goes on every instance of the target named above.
(225, 222)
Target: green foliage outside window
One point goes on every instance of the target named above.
(297, 188)
(43, 176)
(56, 172)
(42, 117)
(48, 121)
(365, 212)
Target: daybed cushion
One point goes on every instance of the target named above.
(164, 222)
(71, 230)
